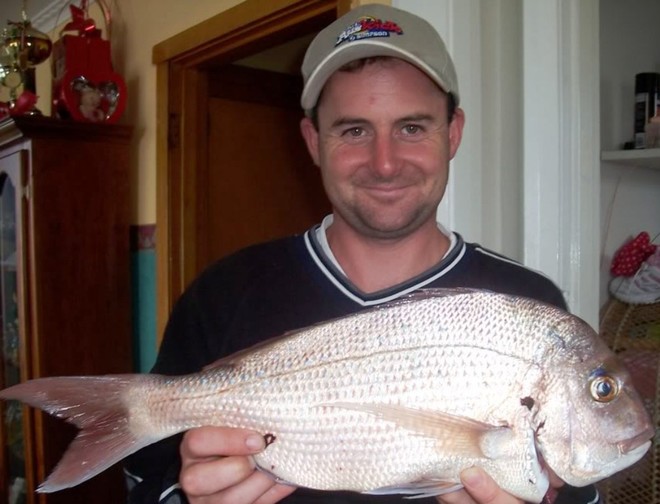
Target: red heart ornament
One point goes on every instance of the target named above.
(94, 102)
(85, 87)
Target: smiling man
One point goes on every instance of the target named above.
(382, 123)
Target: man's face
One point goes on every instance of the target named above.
(383, 145)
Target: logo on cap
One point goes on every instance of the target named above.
(368, 27)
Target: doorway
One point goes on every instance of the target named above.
(232, 167)
(261, 183)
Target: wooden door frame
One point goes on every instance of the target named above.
(181, 103)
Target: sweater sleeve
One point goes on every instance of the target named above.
(573, 495)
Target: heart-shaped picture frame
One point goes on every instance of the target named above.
(92, 100)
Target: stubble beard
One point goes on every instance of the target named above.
(367, 222)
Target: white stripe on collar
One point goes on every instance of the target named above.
(322, 240)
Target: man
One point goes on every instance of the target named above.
(382, 123)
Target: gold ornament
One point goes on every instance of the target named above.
(29, 44)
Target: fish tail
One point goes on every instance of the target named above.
(94, 404)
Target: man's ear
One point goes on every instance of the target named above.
(456, 131)
(311, 136)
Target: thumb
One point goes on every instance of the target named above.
(483, 489)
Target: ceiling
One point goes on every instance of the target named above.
(10, 10)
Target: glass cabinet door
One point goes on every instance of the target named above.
(13, 480)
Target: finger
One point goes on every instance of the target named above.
(250, 490)
(483, 489)
(217, 441)
(555, 481)
(212, 476)
(275, 494)
(458, 497)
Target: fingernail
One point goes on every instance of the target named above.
(472, 477)
(255, 442)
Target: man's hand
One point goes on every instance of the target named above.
(217, 468)
(479, 489)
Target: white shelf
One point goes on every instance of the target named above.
(647, 158)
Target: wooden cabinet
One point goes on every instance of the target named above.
(64, 285)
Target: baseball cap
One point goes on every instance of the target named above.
(376, 30)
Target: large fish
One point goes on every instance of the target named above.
(395, 399)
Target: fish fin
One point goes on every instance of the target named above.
(418, 489)
(434, 292)
(95, 405)
(452, 433)
(275, 477)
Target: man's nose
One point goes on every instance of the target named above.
(384, 156)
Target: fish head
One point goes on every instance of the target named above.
(594, 423)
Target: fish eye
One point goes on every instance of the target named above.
(604, 388)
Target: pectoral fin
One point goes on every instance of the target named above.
(453, 434)
(419, 489)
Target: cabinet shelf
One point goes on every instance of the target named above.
(646, 158)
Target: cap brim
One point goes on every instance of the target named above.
(354, 51)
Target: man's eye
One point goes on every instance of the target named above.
(411, 129)
(354, 132)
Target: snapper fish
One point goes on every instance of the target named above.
(399, 398)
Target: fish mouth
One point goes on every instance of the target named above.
(641, 440)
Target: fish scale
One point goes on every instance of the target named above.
(327, 383)
(330, 426)
(395, 399)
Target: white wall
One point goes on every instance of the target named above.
(502, 125)
(525, 181)
(561, 140)
(630, 196)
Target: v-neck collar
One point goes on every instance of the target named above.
(319, 249)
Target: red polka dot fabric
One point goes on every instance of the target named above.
(632, 254)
